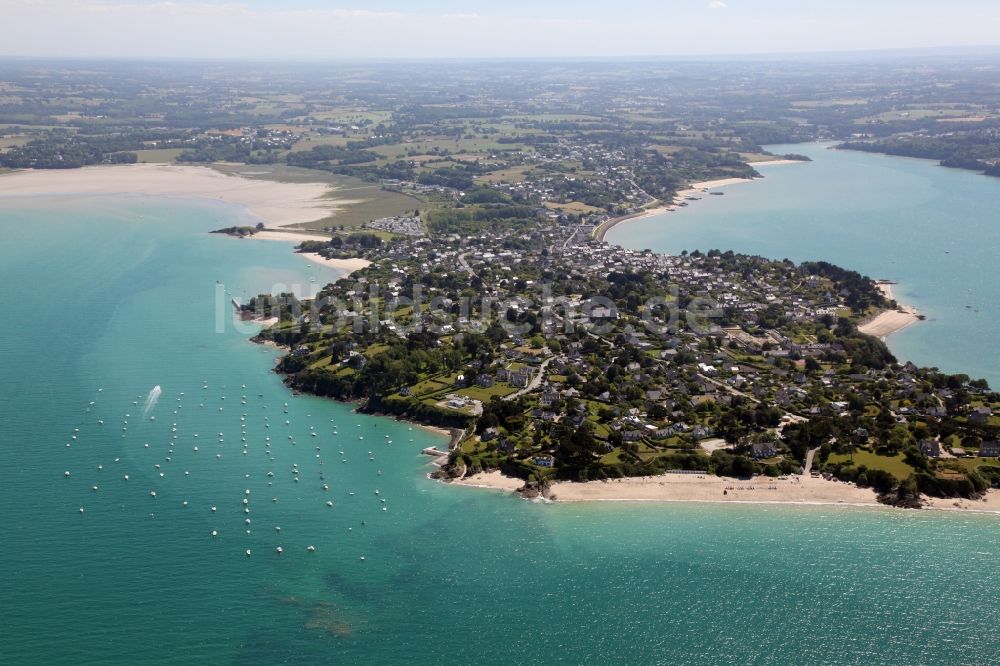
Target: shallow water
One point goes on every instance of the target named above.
(120, 294)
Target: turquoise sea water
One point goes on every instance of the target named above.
(934, 230)
(106, 298)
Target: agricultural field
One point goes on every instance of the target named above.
(13, 140)
(921, 114)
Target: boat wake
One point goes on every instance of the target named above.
(151, 399)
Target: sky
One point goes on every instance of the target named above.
(337, 29)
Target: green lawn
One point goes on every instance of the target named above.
(486, 394)
(612, 458)
(323, 362)
(374, 350)
(427, 387)
(894, 465)
(972, 463)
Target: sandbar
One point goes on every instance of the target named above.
(274, 203)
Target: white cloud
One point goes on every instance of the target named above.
(717, 4)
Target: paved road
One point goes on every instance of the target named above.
(535, 382)
(809, 461)
(729, 388)
(465, 265)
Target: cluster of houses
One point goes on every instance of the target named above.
(691, 367)
(399, 225)
(609, 174)
(258, 138)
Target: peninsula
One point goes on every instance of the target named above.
(481, 296)
(562, 358)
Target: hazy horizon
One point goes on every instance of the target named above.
(446, 29)
(985, 50)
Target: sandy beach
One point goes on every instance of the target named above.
(777, 162)
(889, 321)
(692, 488)
(274, 203)
(694, 190)
(291, 236)
(492, 480)
(348, 265)
(989, 504)
(805, 490)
